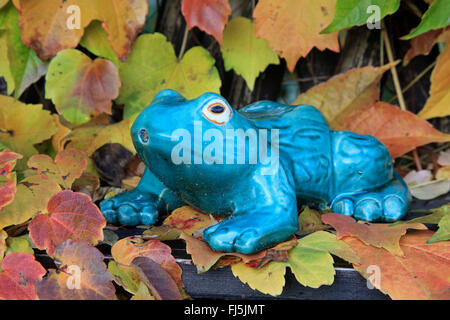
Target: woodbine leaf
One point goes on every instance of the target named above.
(351, 13)
(188, 220)
(346, 94)
(292, 27)
(443, 233)
(45, 25)
(153, 66)
(19, 275)
(310, 261)
(92, 135)
(72, 216)
(309, 221)
(79, 87)
(210, 16)
(422, 45)
(3, 245)
(400, 131)
(430, 190)
(69, 164)
(32, 196)
(5, 70)
(3, 3)
(22, 126)
(443, 172)
(380, 235)
(8, 188)
(19, 244)
(204, 257)
(439, 99)
(126, 250)
(82, 275)
(434, 18)
(95, 40)
(422, 273)
(162, 286)
(433, 218)
(243, 52)
(25, 67)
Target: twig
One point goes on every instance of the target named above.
(414, 9)
(390, 55)
(183, 45)
(417, 160)
(415, 80)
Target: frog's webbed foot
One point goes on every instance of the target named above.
(386, 204)
(249, 232)
(131, 208)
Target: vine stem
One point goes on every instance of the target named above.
(390, 55)
(183, 45)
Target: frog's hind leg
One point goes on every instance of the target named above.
(386, 204)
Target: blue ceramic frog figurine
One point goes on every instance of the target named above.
(256, 166)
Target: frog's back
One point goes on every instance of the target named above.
(304, 140)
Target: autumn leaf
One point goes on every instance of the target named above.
(292, 27)
(22, 126)
(433, 218)
(204, 257)
(435, 17)
(431, 189)
(380, 235)
(400, 131)
(122, 21)
(79, 87)
(443, 233)
(69, 164)
(439, 99)
(422, 45)
(188, 220)
(351, 13)
(422, 273)
(32, 196)
(25, 68)
(162, 233)
(5, 70)
(92, 135)
(19, 244)
(72, 216)
(243, 52)
(346, 94)
(20, 273)
(82, 275)
(309, 221)
(310, 261)
(95, 40)
(3, 3)
(3, 245)
(152, 66)
(210, 16)
(8, 161)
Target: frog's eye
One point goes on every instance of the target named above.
(143, 135)
(217, 112)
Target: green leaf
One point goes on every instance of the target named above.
(80, 87)
(26, 68)
(310, 261)
(19, 244)
(349, 13)
(243, 52)
(152, 66)
(443, 232)
(96, 41)
(436, 17)
(5, 70)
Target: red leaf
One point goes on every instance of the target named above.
(8, 184)
(210, 16)
(20, 272)
(72, 216)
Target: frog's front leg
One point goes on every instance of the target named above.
(140, 205)
(268, 218)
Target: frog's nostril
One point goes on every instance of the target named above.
(143, 135)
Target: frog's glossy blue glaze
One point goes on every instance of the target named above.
(309, 164)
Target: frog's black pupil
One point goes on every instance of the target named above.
(217, 109)
(144, 135)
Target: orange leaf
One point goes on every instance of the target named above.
(68, 166)
(72, 216)
(20, 272)
(82, 275)
(126, 250)
(210, 16)
(400, 131)
(7, 178)
(380, 235)
(188, 219)
(422, 273)
(421, 45)
(292, 27)
(45, 24)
